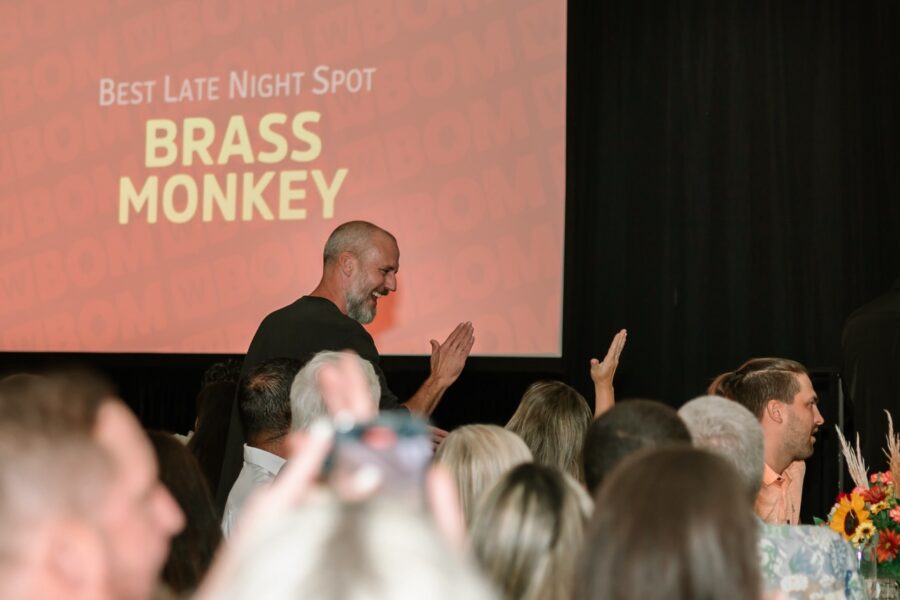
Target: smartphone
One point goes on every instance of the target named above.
(386, 456)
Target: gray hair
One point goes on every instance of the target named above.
(307, 402)
(730, 430)
(352, 236)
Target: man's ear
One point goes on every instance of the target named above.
(76, 559)
(346, 263)
(775, 410)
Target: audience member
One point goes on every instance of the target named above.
(552, 419)
(478, 456)
(603, 372)
(264, 408)
(800, 562)
(527, 531)
(137, 516)
(350, 552)
(207, 444)
(221, 372)
(627, 427)
(226, 371)
(52, 492)
(670, 524)
(780, 394)
(307, 402)
(296, 540)
(193, 549)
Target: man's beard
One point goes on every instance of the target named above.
(802, 447)
(358, 306)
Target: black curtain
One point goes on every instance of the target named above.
(732, 184)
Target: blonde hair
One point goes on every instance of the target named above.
(527, 532)
(553, 419)
(477, 456)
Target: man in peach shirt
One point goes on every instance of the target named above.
(779, 392)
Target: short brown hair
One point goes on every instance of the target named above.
(759, 380)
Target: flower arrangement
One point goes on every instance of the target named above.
(871, 507)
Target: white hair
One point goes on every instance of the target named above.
(730, 430)
(307, 402)
(333, 551)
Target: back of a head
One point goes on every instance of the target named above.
(728, 429)
(192, 550)
(552, 419)
(759, 380)
(626, 428)
(264, 403)
(353, 237)
(333, 551)
(306, 401)
(527, 531)
(478, 456)
(671, 524)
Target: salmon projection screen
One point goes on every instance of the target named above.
(170, 170)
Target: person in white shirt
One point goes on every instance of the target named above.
(264, 407)
(272, 402)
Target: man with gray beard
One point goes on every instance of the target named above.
(361, 261)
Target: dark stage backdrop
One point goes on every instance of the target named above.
(732, 191)
(732, 181)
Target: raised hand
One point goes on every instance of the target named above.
(602, 374)
(449, 358)
(345, 391)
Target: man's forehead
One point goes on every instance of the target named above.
(383, 247)
(806, 386)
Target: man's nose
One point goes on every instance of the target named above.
(818, 418)
(390, 282)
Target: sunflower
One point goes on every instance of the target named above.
(863, 532)
(849, 514)
(877, 508)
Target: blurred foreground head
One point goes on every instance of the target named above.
(359, 551)
(90, 451)
(671, 523)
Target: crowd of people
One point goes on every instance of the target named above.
(343, 491)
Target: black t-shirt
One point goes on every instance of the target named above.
(299, 330)
(311, 325)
